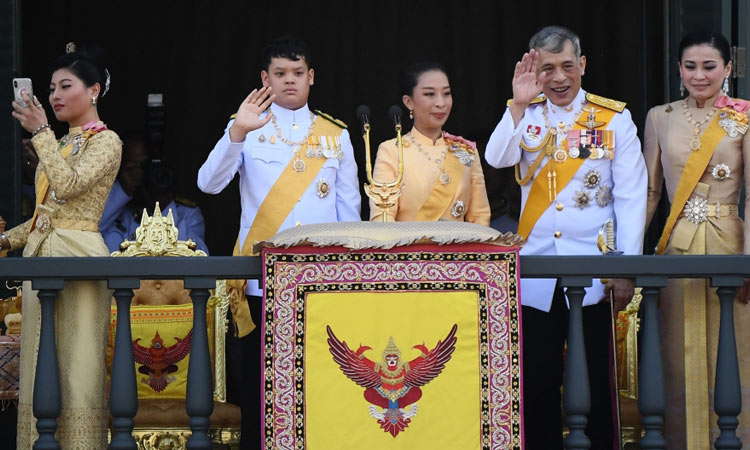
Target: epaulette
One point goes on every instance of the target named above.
(539, 99)
(330, 118)
(614, 105)
(185, 202)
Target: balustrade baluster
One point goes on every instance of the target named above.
(199, 397)
(651, 400)
(123, 392)
(727, 390)
(576, 391)
(47, 403)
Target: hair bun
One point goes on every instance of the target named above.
(93, 53)
(88, 62)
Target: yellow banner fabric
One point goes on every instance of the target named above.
(448, 412)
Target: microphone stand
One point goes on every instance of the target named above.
(383, 194)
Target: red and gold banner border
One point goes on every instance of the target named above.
(489, 270)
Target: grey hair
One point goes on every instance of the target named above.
(552, 39)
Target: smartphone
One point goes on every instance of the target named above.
(22, 86)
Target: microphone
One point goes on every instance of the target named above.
(394, 112)
(363, 113)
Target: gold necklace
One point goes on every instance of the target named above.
(298, 164)
(443, 177)
(695, 142)
(561, 127)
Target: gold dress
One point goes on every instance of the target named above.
(469, 202)
(67, 225)
(690, 308)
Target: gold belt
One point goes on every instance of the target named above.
(698, 210)
(44, 222)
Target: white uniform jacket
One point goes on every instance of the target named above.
(567, 227)
(260, 163)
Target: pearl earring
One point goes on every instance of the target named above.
(93, 101)
(411, 114)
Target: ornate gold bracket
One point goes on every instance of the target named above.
(157, 236)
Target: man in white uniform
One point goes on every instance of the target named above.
(296, 167)
(579, 163)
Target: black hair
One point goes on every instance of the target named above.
(410, 77)
(287, 47)
(87, 63)
(705, 37)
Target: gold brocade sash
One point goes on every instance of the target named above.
(442, 195)
(277, 205)
(697, 423)
(539, 199)
(694, 168)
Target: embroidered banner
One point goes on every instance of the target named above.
(161, 346)
(10, 360)
(408, 348)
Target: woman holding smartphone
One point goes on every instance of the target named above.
(443, 177)
(73, 179)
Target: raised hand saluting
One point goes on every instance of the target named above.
(526, 84)
(248, 115)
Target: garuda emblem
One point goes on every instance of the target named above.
(392, 385)
(159, 361)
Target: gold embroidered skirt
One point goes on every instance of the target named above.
(690, 314)
(82, 313)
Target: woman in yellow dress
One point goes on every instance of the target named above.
(699, 146)
(443, 177)
(73, 179)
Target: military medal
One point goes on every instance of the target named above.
(560, 155)
(603, 196)
(582, 199)
(340, 150)
(728, 120)
(458, 209)
(463, 156)
(592, 178)
(299, 163)
(721, 172)
(323, 188)
(696, 210)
